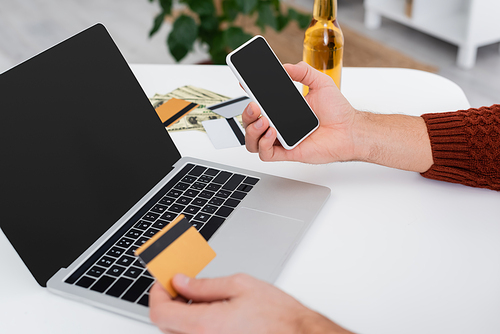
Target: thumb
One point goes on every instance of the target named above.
(206, 289)
(307, 75)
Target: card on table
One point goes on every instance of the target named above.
(225, 132)
(177, 248)
(172, 110)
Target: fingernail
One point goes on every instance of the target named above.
(181, 279)
(269, 133)
(249, 110)
(259, 123)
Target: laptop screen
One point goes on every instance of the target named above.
(80, 145)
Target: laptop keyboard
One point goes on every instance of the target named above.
(206, 196)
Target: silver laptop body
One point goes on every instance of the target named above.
(256, 238)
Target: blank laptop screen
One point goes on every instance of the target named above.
(80, 145)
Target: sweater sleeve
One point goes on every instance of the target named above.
(466, 146)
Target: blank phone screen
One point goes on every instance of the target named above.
(275, 92)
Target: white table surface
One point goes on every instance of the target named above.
(391, 252)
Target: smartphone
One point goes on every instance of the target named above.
(267, 83)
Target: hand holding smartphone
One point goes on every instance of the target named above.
(268, 84)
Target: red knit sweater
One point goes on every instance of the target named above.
(466, 146)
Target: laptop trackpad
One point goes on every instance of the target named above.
(252, 242)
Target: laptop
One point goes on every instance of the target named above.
(89, 173)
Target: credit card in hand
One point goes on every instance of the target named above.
(177, 248)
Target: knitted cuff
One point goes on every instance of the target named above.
(466, 146)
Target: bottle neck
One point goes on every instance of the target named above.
(325, 10)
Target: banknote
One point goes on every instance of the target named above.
(200, 96)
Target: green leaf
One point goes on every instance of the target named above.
(266, 17)
(208, 28)
(201, 7)
(182, 37)
(158, 21)
(247, 6)
(166, 5)
(218, 50)
(229, 10)
(235, 36)
(302, 19)
(282, 21)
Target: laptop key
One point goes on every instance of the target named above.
(189, 179)
(209, 209)
(95, 271)
(125, 242)
(212, 172)
(184, 200)
(103, 284)
(245, 187)
(140, 241)
(115, 271)
(167, 200)
(176, 208)
(119, 287)
(174, 193)
(206, 194)
(198, 185)
(158, 208)
(216, 201)
(106, 261)
(205, 178)
(150, 216)
(251, 180)
(144, 300)
(202, 217)
(238, 195)
(131, 250)
(137, 289)
(168, 216)
(213, 187)
(191, 193)
(224, 211)
(231, 202)
(151, 232)
(181, 186)
(233, 182)
(115, 252)
(222, 177)
(192, 209)
(223, 193)
(211, 226)
(142, 225)
(134, 234)
(85, 282)
(160, 224)
(125, 260)
(133, 272)
(197, 171)
(199, 201)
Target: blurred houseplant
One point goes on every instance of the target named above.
(216, 23)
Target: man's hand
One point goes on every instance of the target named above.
(344, 133)
(232, 305)
(332, 141)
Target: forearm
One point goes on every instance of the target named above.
(397, 141)
(315, 323)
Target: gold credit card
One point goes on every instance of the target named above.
(172, 110)
(177, 248)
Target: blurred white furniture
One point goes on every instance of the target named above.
(467, 24)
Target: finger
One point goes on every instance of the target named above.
(250, 114)
(254, 132)
(268, 151)
(171, 316)
(207, 289)
(307, 75)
